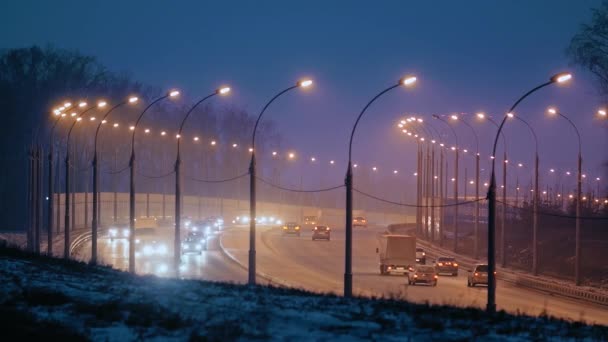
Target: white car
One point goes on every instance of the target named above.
(118, 233)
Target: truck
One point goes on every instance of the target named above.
(397, 253)
(311, 217)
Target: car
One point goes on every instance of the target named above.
(119, 233)
(360, 221)
(478, 275)
(420, 256)
(193, 244)
(446, 265)
(218, 222)
(321, 233)
(291, 228)
(149, 244)
(422, 274)
(310, 220)
(205, 226)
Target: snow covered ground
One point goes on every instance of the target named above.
(67, 300)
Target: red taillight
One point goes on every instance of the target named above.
(435, 276)
(415, 276)
(476, 274)
(440, 264)
(315, 228)
(455, 264)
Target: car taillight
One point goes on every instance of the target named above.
(455, 264)
(440, 264)
(476, 274)
(435, 276)
(315, 228)
(415, 276)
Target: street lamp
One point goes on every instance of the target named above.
(95, 222)
(178, 181)
(477, 204)
(407, 81)
(171, 94)
(535, 201)
(455, 148)
(58, 116)
(66, 233)
(252, 175)
(577, 253)
(504, 186)
(491, 304)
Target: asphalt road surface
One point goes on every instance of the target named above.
(319, 266)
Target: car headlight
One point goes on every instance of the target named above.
(147, 250)
(195, 229)
(113, 232)
(162, 249)
(185, 246)
(136, 240)
(279, 222)
(297, 228)
(126, 232)
(199, 247)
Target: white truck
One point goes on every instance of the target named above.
(397, 253)
(311, 217)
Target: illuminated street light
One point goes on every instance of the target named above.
(95, 221)
(252, 183)
(132, 166)
(602, 112)
(67, 220)
(491, 293)
(195, 138)
(454, 117)
(163, 133)
(235, 145)
(213, 143)
(577, 248)
(331, 162)
(147, 130)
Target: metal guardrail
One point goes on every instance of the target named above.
(523, 280)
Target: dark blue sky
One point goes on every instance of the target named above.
(468, 56)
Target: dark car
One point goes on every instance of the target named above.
(478, 275)
(420, 256)
(447, 265)
(291, 228)
(422, 274)
(360, 221)
(321, 233)
(193, 244)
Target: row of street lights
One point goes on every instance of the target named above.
(406, 81)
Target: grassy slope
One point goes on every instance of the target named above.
(66, 300)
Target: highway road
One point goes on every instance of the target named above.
(319, 266)
(211, 265)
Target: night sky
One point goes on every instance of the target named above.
(476, 57)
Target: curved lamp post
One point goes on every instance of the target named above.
(252, 175)
(178, 183)
(577, 253)
(348, 257)
(477, 204)
(491, 304)
(58, 113)
(172, 93)
(66, 233)
(96, 181)
(535, 200)
(457, 148)
(504, 182)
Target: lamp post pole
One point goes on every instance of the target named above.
(477, 205)
(348, 274)
(491, 302)
(66, 233)
(534, 199)
(95, 221)
(252, 188)
(132, 182)
(178, 182)
(50, 187)
(579, 195)
(456, 149)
